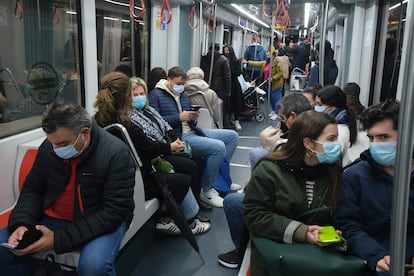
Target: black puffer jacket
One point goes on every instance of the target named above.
(105, 179)
(221, 76)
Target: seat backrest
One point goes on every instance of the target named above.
(206, 105)
(205, 120)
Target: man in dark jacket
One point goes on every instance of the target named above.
(254, 52)
(364, 210)
(220, 80)
(79, 194)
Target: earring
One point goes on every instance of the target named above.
(308, 153)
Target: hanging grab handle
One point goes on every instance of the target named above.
(132, 9)
(193, 15)
(18, 10)
(211, 19)
(56, 14)
(264, 9)
(166, 4)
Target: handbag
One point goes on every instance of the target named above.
(297, 259)
(187, 152)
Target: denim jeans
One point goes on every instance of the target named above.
(216, 145)
(189, 205)
(96, 257)
(255, 154)
(234, 213)
(274, 99)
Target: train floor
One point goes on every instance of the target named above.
(174, 255)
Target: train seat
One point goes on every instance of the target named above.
(204, 121)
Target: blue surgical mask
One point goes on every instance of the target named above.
(319, 108)
(139, 102)
(178, 89)
(331, 152)
(384, 153)
(68, 151)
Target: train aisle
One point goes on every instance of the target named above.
(174, 255)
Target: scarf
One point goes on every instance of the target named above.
(151, 123)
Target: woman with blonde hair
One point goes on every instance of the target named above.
(115, 105)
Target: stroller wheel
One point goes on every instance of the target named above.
(261, 99)
(259, 116)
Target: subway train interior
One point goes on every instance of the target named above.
(57, 50)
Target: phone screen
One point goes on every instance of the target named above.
(8, 245)
(195, 107)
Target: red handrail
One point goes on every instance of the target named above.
(193, 14)
(211, 19)
(166, 3)
(132, 9)
(18, 10)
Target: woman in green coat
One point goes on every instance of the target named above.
(299, 176)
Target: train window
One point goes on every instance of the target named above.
(119, 49)
(39, 60)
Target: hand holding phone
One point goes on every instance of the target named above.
(195, 107)
(328, 235)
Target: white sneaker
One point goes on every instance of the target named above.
(200, 227)
(212, 197)
(167, 226)
(271, 114)
(237, 124)
(274, 117)
(235, 187)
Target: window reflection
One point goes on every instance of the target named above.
(39, 63)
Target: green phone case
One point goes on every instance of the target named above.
(328, 235)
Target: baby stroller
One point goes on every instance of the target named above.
(251, 106)
(297, 80)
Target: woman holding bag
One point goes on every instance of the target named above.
(299, 176)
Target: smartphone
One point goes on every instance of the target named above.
(8, 245)
(195, 107)
(328, 235)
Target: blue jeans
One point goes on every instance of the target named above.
(274, 99)
(255, 154)
(189, 205)
(234, 213)
(96, 257)
(216, 145)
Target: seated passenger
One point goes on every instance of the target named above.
(290, 106)
(79, 194)
(305, 172)
(364, 209)
(114, 104)
(170, 100)
(331, 100)
(155, 75)
(352, 91)
(310, 93)
(196, 83)
(157, 132)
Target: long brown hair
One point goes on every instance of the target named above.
(309, 124)
(114, 100)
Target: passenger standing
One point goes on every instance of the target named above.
(114, 104)
(215, 145)
(196, 83)
(364, 209)
(254, 52)
(330, 68)
(236, 98)
(301, 175)
(300, 53)
(79, 194)
(220, 80)
(271, 70)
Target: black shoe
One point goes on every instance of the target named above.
(203, 218)
(230, 259)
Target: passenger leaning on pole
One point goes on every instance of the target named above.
(79, 194)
